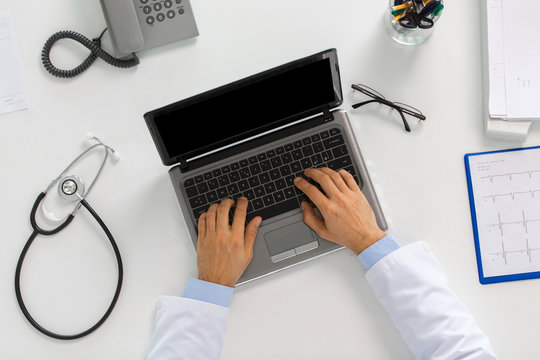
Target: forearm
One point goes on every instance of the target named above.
(192, 326)
(413, 288)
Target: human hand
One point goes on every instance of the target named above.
(224, 251)
(347, 217)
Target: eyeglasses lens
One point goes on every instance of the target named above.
(414, 122)
(366, 90)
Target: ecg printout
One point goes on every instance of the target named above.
(506, 187)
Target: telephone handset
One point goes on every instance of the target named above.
(133, 25)
(123, 25)
(136, 25)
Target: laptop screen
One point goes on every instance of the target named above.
(246, 108)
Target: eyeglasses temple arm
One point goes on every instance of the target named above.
(357, 105)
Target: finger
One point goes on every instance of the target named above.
(202, 226)
(324, 180)
(349, 180)
(223, 210)
(336, 178)
(211, 218)
(239, 219)
(251, 233)
(318, 198)
(312, 220)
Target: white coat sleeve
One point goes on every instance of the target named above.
(187, 329)
(433, 322)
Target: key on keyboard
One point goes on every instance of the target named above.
(266, 179)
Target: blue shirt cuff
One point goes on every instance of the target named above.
(377, 251)
(209, 292)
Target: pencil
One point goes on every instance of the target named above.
(396, 19)
(402, 6)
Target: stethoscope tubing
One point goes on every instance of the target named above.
(37, 230)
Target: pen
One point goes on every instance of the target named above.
(434, 7)
(438, 10)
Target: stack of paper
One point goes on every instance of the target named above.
(514, 59)
(12, 91)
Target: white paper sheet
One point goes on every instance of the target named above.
(497, 85)
(522, 58)
(506, 189)
(514, 58)
(12, 91)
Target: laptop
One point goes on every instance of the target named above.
(252, 138)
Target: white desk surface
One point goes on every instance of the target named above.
(323, 309)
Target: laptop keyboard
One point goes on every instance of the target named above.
(266, 179)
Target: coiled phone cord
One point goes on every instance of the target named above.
(37, 231)
(93, 45)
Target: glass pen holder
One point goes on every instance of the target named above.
(412, 35)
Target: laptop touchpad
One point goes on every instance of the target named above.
(290, 240)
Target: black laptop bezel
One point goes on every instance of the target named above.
(182, 159)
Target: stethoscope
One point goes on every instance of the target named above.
(70, 188)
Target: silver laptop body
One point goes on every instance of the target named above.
(266, 158)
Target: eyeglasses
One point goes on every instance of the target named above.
(401, 108)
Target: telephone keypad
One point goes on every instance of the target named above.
(152, 9)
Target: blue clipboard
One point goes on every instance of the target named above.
(491, 279)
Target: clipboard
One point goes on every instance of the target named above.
(504, 198)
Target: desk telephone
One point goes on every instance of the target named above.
(133, 25)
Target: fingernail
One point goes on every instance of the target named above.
(297, 179)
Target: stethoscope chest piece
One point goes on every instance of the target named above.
(71, 188)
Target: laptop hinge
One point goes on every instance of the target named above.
(327, 114)
(183, 165)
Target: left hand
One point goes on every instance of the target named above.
(347, 218)
(224, 251)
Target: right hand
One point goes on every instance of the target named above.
(347, 218)
(225, 250)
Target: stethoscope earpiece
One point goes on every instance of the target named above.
(115, 156)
